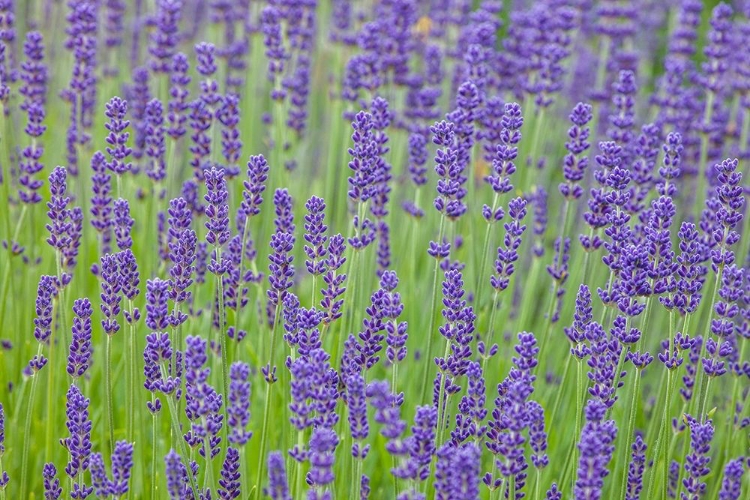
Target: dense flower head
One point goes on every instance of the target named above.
(46, 292)
(278, 487)
(254, 185)
(165, 39)
(52, 489)
(575, 162)
(117, 137)
(238, 407)
(596, 448)
(507, 254)
(80, 346)
(78, 423)
(315, 236)
(696, 463)
(57, 210)
(217, 209)
(33, 71)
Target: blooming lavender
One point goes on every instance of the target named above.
(78, 444)
(117, 138)
(80, 346)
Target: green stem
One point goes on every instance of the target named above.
(131, 377)
(27, 432)
(433, 308)
(629, 432)
(108, 391)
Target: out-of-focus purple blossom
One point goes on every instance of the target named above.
(356, 402)
(30, 164)
(138, 97)
(122, 465)
(228, 115)
(278, 487)
(164, 39)
(155, 145)
(80, 347)
(717, 52)
(457, 475)
(538, 200)
(275, 50)
(203, 405)
(322, 446)
(178, 96)
(101, 201)
(33, 71)
(238, 408)
(731, 485)
(622, 120)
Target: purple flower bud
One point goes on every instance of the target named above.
(165, 39)
(52, 489)
(117, 136)
(80, 347)
(278, 487)
(238, 409)
(229, 484)
(79, 428)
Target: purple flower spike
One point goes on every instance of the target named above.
(254, 186)
(636, 468)
(596, 448)
(123, 224)
(29, 164)
(731, 485)
(508, 255)
(178, 96)
(696, 463)
(506, 152)
(238, 409)
(315, 236)
(117, 138)
(229, 484)
(157, 316)
(46, 292)
(217, 212)
(155, 145)
(111, 293)
(122, 465)
(4, 479)
(575, 162)
(203, 405)
(322, 446)
(57, 211)
(357, 405)
(278, 487)
(165, 39)
(33, 71)
(79, 442)
(231, 145)
(331, 303)
(80, 347)
(52, 489)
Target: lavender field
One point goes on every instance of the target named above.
(384, 249)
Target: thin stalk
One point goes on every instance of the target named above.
(485, 255)
(6, 272)
(108, 390)
(267, 406)
(561, 390)
(433, 308)
(442, 400)
(131, 379)
(153, 455)
(697, 400)
(547, 324)
(735, 394)
(222, 333)
(629, 432)
(702, 165)
(27, 431)
(490, 328)
(178, 436)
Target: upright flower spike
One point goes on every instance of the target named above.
(217, 211)
(331, 302)
(508, 254)
(78, 443)
(57, 211)
(122, 465)
(178, 96)
(278, 487)
(80, 347)
(111, 293)
(576, 162)
(155, 145)
(359, 427)
(322, 446)
(114, 26)
(165, 39)
(29, 164)
(203, 405)
(315, 236)
(696, 463)
(731, 485)
(182, 253)
(46, 292)
(228, 115)
(238, 407)
(596, 448)
(139, 95)
(254, 186)
(117, 137)
(270, 20)
(123, 224)
(229, 484)
(33, 71)
(52, 489)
